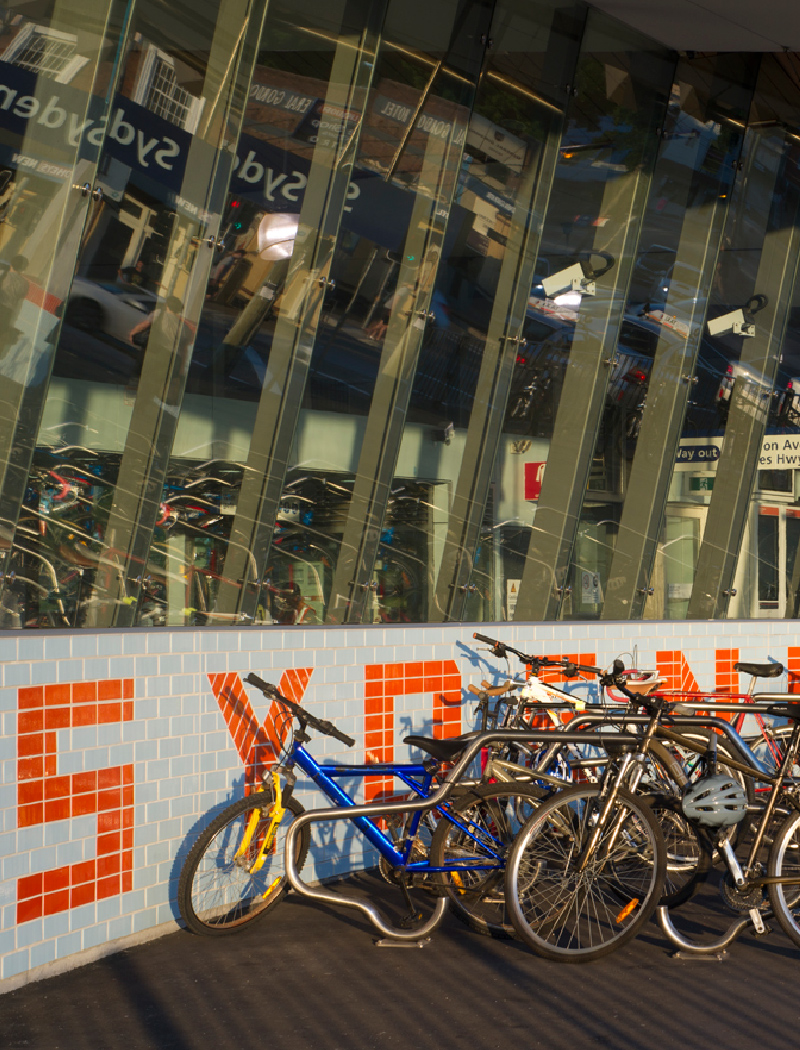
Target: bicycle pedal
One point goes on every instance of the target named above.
(759, 925)
(409, 921)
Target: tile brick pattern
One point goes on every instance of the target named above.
(117, 747)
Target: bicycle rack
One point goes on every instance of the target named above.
(374, 809)
(718, 947)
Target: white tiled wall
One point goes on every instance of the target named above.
(182, 759)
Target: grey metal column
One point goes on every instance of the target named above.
(750, 401)
(494, 381)
(295, 331)
(581, 403)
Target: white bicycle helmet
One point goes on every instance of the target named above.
(715, 802)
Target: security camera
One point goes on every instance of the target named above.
(580, 277)
(741, 321)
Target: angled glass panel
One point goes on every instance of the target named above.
(303, 125)
(740, 426)
(131, 317)
(576, 310)
(660, 337)
(58, 65)
(458, 401)
(386, 264)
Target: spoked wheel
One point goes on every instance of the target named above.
(223, 885)
(575, 894)
(784, 861)
(484, 825)
(689, 852)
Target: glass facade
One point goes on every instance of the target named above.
(382, 311)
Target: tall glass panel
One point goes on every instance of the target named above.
(660, 337)
(741, 417)
(399, 289)
(459, 397)
(58, 64)
(576, 311)
(96, 496)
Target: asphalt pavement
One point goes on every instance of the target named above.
(311, 976)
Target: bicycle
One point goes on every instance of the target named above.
(588, 869)
(245, 860)
(743, 885)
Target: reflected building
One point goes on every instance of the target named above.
(376, 311)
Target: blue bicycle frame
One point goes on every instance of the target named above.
(415, 776)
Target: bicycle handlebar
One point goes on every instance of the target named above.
(320, 724)
(613, 678)
(500, 650)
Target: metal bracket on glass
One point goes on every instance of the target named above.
(365, 586)
(563, 590)
(326, 282)
(468, 588)
(690, 379)
(87, 190)
(215, 242)
(426, 315)
(518, 340)
(646, 590)
(610, 361)
(731, 593)
(143, 580)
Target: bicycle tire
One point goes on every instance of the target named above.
(570, 913)
(499, 811)
(784, 860)
(689, 852)
(217, 895)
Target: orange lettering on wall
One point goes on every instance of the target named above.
(793, 667)
(386, 681)
(43, 796)
(258, 743)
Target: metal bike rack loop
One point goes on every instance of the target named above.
(373, 809)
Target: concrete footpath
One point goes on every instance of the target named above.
(312, 977)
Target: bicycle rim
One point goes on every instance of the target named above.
(571, 908)
(489, 818)
(228, 880)
(784, 861)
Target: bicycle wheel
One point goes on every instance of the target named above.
(689, 853)
(219, 890)
(784, 861)
(574, 907)
(489, 817)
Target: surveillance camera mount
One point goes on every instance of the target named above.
(741, 321)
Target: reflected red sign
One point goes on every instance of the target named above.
(534, 472)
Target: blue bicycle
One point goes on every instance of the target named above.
(451, 838)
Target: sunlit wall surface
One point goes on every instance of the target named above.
(384, 311)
